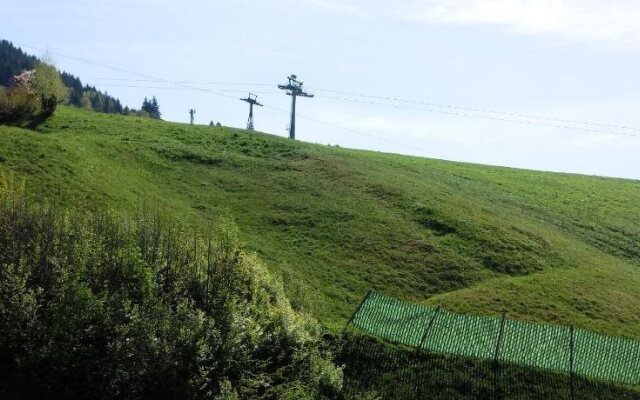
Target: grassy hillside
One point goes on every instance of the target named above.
(336, 222)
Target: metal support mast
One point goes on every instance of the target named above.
(252, 101)
(192, 112)
(294, 89)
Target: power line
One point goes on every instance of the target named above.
(457, 113)
(183, 88)
(182, 81)
(361, 133)
(480, 116)
(134, 73)
(395, 99)
(476, 109)
(433, 110)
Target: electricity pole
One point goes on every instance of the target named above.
(192, 112)
(252, 101)
(294, 89)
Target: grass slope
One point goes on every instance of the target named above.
(335, 222)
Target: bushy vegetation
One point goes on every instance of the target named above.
(103, 305)
(32, 96)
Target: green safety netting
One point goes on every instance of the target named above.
(551, 347)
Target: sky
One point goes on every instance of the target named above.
(546, 85)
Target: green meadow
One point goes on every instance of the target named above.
(332, 223)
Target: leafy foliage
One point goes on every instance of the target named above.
(99, 305)
(32, 97)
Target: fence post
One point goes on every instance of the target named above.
(571, 362)
(420, 383)
(426, 332)
(366, 297)
(496, 363)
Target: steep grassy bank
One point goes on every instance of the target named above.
(336, 222)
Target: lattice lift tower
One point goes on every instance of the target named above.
(253, 101)
(294, 89)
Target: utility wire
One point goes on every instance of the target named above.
(188, 82)
(423, 151)
(457, 110)
(134, 73)
(422, 103)
(222, 94)
(476, 109)
(183, 88)
(468, 115)
(361, 133)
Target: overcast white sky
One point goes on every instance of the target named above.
(446, 60)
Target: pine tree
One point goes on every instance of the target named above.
(146, 106)
(155, 107)
(151, 107)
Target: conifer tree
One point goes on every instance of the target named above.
(155, 113)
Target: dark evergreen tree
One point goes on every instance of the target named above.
(117, 106)
(13, 61)
(151, 107)
(155, 108)
(75, 88)
(146, 106)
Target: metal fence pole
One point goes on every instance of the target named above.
(419, 383)
(366, 297)
(571, 362)
(496, 363)
(426, 332)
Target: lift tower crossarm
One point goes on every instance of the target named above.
(252, 99)
(294, 89)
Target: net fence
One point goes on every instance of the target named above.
(494, 349)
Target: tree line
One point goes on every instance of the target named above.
(14, 63)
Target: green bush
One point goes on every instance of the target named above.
(33, 97)
(99, 305)
(18, 105)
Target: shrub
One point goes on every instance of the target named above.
(104, 306)
(33, 96)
